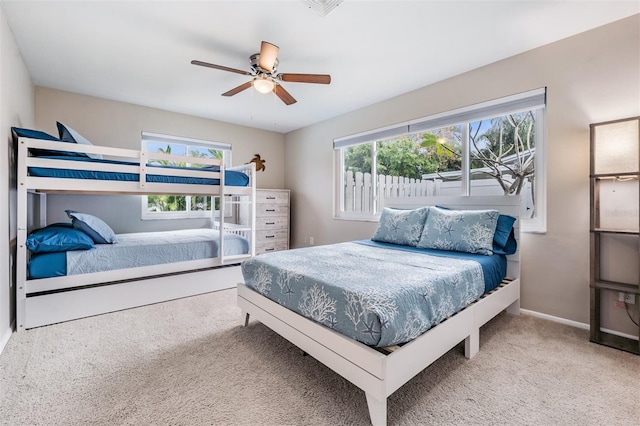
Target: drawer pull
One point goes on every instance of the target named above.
(269, 249)
(269, 236)
(271, 210)
(270, 223)
(271, 198)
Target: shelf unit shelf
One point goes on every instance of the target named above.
(616, 231)
(615, 175)
(615, 203)
(617, 286)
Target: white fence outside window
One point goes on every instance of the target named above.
(358, 190)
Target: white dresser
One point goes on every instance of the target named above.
(272, 220)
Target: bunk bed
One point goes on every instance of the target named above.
(56, 167)
(373, 355)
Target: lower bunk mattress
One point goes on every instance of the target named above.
(376, 293)
(138, 249)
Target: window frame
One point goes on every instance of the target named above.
(148, 137)
(530, 100)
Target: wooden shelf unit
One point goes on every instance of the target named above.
(628, 173)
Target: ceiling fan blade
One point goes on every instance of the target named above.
(284, 95)
(268, 55)
(306, 78)
(238, 89)
(220, 67)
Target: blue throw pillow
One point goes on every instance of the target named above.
(402, 227)
(67, 134)
(504, 241)
(94, 227)
(37, 134)
(509, 248)
(58, 237)
(469, 231)
(503, 229)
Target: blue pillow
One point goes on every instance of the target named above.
(504, 241)
(94, 227)
(509, 248)
(67, 134)
(503, 229)
(58, 237)
(402, 227)
(37, 134)
(469, 231)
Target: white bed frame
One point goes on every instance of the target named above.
(380, 374)
(52, 300)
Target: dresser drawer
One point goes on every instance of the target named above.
(266, 196)
(275, 222)
(265, 210)
(273, 246)
(272, 235)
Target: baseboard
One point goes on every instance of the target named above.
(574, 323)
(555, 319)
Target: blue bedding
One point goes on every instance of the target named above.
(494, 267)
(379, 294)
(135, 250)
(231, 178)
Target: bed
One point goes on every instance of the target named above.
(135, 250)
(376, 336)
(75, 283)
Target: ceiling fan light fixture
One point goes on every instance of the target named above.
(263, 84)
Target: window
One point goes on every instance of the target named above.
(492, 148)
(181, 206)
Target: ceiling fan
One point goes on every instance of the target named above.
(264, 66)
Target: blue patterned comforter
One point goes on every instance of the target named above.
(378, 296)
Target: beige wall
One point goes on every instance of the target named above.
(591, 77)
(16, 109)
(117, 124)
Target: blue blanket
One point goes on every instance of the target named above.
(377, 295)
(231, 177)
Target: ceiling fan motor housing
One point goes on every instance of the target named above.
(254, 60)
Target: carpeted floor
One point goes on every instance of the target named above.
(189, 362)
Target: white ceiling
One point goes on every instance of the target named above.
(140, 51)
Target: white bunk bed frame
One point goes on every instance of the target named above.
(51, 300)
(380, 374)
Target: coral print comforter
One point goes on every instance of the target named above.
(377, 295)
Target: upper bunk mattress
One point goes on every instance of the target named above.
(231, 177)
(376, 294)
(138, 249)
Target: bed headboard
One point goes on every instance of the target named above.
(509, 205)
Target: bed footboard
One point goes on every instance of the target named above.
(379, 374)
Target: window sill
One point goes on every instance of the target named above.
(357, 217)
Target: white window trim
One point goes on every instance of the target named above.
(189, 214)
(538, 224)
(338, 200)
(533, 99)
